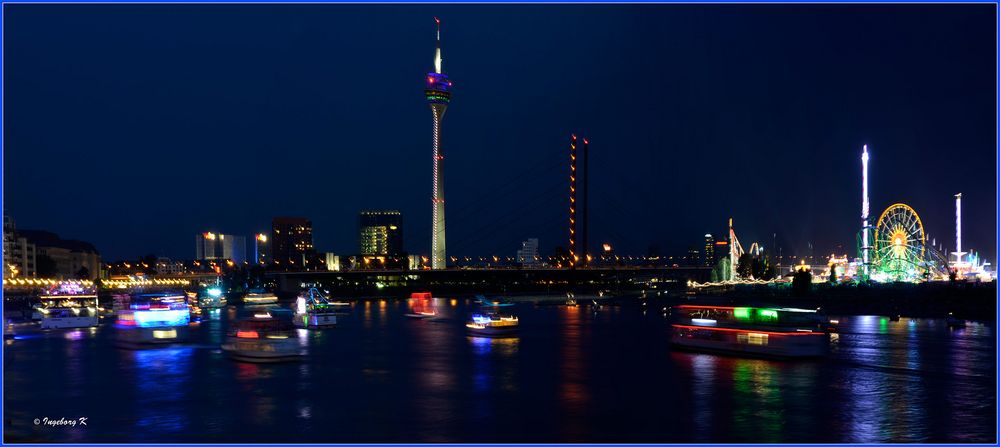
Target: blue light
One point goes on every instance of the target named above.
(161, 318)
(214, 292)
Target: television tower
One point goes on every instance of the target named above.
(958, 229)
(865, 228)
(438, 94)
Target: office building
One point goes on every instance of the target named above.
(291, 242)
(60, 258)
(217, 246)
(380, 233)
(709, 258)
(527, 255)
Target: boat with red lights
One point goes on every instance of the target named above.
(492, 324)
(153, 319)
(763, 331)
(421, 306)
(263, 338)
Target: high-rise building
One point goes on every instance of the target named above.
(291, 241)
(217, 246)
(260, 247)
(709, 258)
(438, 94)
(527, 255)
(380, 233)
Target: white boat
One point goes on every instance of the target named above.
(153, 319)
(312, 310)
(263, 339)
(67, 305)
(69, 317)
(772, 332)
(493, 325)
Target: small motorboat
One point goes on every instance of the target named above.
(263, 339)
(492, 325)
(312, 310)
(570, 299)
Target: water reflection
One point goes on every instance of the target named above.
(162, 382)
(703, 367)
(573, 393)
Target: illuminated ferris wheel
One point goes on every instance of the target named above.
(899, 244)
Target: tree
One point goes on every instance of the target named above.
(721, 270)
(45, 266)
(83, 273)
(801, 282)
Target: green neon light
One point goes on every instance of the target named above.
(742, 313)
(769, 313)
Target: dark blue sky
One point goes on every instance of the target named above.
(137, 126)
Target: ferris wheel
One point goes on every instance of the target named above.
(899, 252)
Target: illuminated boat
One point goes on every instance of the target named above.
(67, 305)
(420, 306)
(778, 332)
(212, 298)
(492, 325)
(259, 297)
(152, 319)
(312, 310)
(483, 301)
(263, 339)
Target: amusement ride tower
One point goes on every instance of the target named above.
(438, 94)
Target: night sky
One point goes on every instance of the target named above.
(135, 127)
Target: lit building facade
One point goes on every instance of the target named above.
(260, 249)
(709, 258)
(69, 259)
(291, 242)
(217, 246)
(380, 233)
(18, 253)
(527, 255)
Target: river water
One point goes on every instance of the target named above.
(572, 375)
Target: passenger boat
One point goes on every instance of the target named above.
(492, 325)
(212, 298)
(154, 319)
(312, 310)
(260, 297)
(67, 305)
(263, 339)
(778, 332)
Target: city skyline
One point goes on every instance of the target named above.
(671, 163)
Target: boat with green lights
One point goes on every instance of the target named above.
(758, 331)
